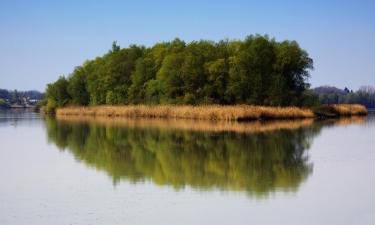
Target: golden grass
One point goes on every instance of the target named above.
(190, 125)
(339, 110)
(350, 109)
(203, 112)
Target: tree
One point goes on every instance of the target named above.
(115, 47)
(15, 97)
(145, 70)
(217, 76)
(170, 78)
(57, 94)
(77, 87)
(3, 103)
(257, 70)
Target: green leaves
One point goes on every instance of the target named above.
(57, 92)
(257, 70)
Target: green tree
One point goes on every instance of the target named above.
(15, 98)
(145, 70)
(170, 78)
(57, 94)
(257, 70)
(3, 103)
(293, 64)
(77, 89)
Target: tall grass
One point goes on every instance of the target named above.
(350, 109)
(338, 110)
(203, 112)
(214, 112)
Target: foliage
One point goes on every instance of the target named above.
(257, 70)
(3, 103)
(332, 95)
(19, 97)
(57, 94)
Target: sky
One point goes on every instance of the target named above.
(43, 39)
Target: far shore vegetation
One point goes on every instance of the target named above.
(19, 99)
(254, 78)
(365, 95)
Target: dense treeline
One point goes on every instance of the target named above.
(257, 70)
(332, 95)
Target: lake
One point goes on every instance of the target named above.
(119, 171)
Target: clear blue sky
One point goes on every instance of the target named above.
(41, 40)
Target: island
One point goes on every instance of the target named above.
(254, 78)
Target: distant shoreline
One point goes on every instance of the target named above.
(213, 112)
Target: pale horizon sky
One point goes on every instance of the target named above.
(42, 40)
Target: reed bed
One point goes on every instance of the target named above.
(339, 110)
(350, 109)
(189, 125)
(203, 112)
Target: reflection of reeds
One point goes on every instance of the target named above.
(203, 112)
(196, 125)
(207, 125)
(351, 120)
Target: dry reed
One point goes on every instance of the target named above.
(203, 112)
(350, 109)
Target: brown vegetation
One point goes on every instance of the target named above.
(338, 110)
(350, 109)
(203, 112)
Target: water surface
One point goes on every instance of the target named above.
(100, 171)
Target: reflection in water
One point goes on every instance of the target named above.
(196, 125)
(346, 121)
(258, 163)
(17, 116)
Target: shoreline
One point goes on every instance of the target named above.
(214, 112)
(18, 107)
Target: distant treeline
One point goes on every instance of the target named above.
(257, 70)
(8, 98)
(332, 95)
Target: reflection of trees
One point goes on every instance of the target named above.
(18, 116)
(258, 163)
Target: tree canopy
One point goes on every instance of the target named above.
(256, 70)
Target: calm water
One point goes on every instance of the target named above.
(86, 171)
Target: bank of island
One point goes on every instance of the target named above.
(254, 78)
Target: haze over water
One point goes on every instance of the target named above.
(88, 171)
